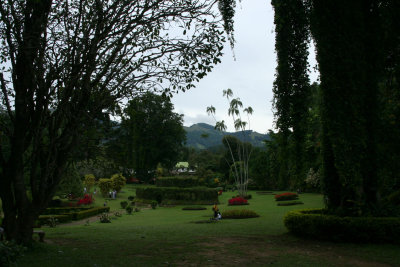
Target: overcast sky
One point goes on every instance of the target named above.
(250, 77)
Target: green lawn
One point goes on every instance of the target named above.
(168, 236)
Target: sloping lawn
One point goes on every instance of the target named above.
(169, 237)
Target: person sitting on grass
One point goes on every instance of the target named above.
(216, 210)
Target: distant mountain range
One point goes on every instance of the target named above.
(204, 136)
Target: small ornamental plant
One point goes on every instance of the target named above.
(237, 201)
(124, 204)
(86, 200)
(129, 210)
(286, 196)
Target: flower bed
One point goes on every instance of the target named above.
(286, 196)
(86, 200)
(237, 201)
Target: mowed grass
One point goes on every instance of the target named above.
(169, 237)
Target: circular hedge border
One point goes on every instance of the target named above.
(317, 224)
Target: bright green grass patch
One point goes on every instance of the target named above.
(166, 236)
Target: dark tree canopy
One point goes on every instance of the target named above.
(64, 62)
(151, 133)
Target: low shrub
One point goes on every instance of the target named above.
(9, 253)
(89, 213)
(286, 196)
(124, 204)
(239, 214)
(154, 204)
(63, 210)
(318, 224)
(44, 219)
(194, 208)
(105, 218)
(175, 181)
(237, 201)
(289, 203)
(131, 198)
(137, 209)
(129, 209)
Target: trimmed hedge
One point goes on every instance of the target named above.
(289, 203)
(175, 195)
(43, 219)
(63, 210)
(317, 224)
(183, 182)
(239, 214)
(89, 213)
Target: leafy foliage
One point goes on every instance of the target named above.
(150, 133)
(118, 181)
(64, 63)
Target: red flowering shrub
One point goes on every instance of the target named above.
(220, 192)
(286, 196)
(238, 201)
(86, 200)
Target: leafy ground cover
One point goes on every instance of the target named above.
(166, 236)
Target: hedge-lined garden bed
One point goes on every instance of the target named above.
(177, 196)
(67, 214)
(317, 224)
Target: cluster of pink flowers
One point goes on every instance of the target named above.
(86, 200)
(238, 201)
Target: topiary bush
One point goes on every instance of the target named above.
(176, 181)
(105, 186)
(286, 196)
(118, 181)
(124, 204)
(318, 224)
(129, 209)
(239, 214)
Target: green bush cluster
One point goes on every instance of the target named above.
(316, 223)
(176, 181)
(175, 195)
(239, 214)
(124, 204)
(10, 252)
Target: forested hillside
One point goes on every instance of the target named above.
(203, 136)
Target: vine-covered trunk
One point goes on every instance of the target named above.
(347, 53)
